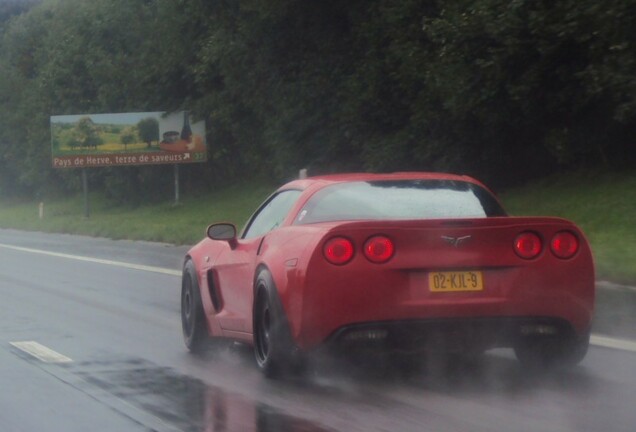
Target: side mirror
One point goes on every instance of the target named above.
(223, 231)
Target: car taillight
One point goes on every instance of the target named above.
(379, 249)
(338, 250)
(528, 245)
(564, 244)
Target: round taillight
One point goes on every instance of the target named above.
(564, 244)
(338, 250)
(528, 245)
(379, 249)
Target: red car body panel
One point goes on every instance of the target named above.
(320, 298)
(335, 296)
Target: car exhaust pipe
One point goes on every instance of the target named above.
(538, 330)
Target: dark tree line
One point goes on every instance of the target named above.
(505, 90)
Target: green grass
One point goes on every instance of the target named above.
(602, 204)
(107, 147)
(164, 222)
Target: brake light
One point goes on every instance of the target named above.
(528, 245)
(564, 244)
(338, 250)
(379, 249)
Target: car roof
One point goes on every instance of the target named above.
(324, 180)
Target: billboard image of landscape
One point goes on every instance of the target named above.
(149, 138)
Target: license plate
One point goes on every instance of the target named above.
(456, 281)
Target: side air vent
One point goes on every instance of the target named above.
(214, 293)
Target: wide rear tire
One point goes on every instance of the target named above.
(274, 349)
(548, 352)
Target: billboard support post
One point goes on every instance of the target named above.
(85, 187)
(176, 184)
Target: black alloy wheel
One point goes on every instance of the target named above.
(274, 349)
(263, 329)
(192, 315)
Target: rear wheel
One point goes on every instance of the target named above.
(195, 333)
(544, 352)
(273, 347)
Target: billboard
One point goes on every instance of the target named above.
(149, 138)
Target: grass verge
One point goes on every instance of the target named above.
(602, 204)
(163, 222)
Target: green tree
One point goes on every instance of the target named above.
(87, 133)
(148, 130)
(501, 89)
(128, 136)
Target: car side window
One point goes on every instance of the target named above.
(271, 214)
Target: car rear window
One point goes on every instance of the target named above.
(403, 199)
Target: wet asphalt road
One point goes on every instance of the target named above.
(129, 371)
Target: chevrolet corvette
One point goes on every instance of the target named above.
(402, 262)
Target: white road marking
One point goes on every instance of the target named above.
(41, 352)
(614, 286)
(96, 260)
(597, 340)
(608, 342)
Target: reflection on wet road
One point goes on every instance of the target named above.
(489, 394)
(187, 403)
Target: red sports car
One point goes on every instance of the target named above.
(398, 262)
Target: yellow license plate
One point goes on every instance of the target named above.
(455, 281)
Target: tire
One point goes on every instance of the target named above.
(195, 332)
(274, 350)
(548, 353)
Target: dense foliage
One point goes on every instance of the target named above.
(501, 89)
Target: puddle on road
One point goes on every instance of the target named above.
(192, 406)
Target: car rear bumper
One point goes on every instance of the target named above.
(503, 317)
(449, 335)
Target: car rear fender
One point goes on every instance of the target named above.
(285, 254)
